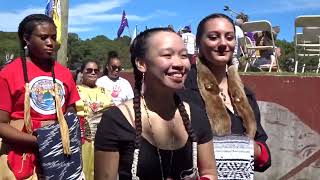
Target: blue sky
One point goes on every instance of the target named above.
(89, 18)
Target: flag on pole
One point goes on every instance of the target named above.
(53, 10)
(135, 33)
(124, 23)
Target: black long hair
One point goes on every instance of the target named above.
(138, 49)
(200, 27)
(29, 23)
(25, 29)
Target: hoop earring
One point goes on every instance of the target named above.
(26, 51)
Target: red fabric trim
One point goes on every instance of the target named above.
(204, 178)
(264, 155)
(22, 162)
(82, 128)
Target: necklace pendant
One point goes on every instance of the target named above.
(94, 106)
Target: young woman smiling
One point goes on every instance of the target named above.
(215, 85)
(155, 135)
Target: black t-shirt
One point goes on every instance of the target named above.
(115, 133)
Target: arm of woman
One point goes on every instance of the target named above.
(12, 135)
(206, 161)
(106, 165)
(8, 133)
(262, 155)
(107, 145)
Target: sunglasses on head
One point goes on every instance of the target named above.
(114, 67)
(90, 70)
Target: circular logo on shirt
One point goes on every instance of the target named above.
(41, 94)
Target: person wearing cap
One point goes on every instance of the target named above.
(189, 40)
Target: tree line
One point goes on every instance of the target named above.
(97, 49)
(79, 50)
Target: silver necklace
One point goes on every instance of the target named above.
(157, 146)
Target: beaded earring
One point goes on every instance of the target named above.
(26, 50)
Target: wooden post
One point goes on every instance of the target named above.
(63, 50)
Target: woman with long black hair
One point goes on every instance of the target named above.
(35, 91)
(155, 135)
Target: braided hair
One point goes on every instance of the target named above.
(138, 49)
(28, 25)
(25, 30)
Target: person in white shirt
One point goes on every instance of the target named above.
(189, 40)
(237, 49)
(119, 87)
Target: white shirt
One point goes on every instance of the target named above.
(189, 40)
(239, 34)
(120, 89)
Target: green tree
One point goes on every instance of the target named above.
(9, 45)
(287, 53)
(79, 50)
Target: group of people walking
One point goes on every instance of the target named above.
(163, 130)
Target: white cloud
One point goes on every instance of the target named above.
(81, 16)
(91, 19)
(96, 8)
(80, 29)
(10, 20)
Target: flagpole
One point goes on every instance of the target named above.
(136, 29)
(134, 34)
(129, 32)
(62, 52)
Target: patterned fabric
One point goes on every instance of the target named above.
(91, 105)
(55, 165)
(234, 157)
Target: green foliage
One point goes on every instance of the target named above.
(287, 53)
(9, 45)
(79, 50)
(97, 49)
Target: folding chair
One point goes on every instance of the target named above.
(309, 40)
(261, 25)
(249, 54)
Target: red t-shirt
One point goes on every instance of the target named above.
(41, 87)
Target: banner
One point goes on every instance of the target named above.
(123, 24)
(53, 10)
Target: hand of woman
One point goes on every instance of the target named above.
(257, 150)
